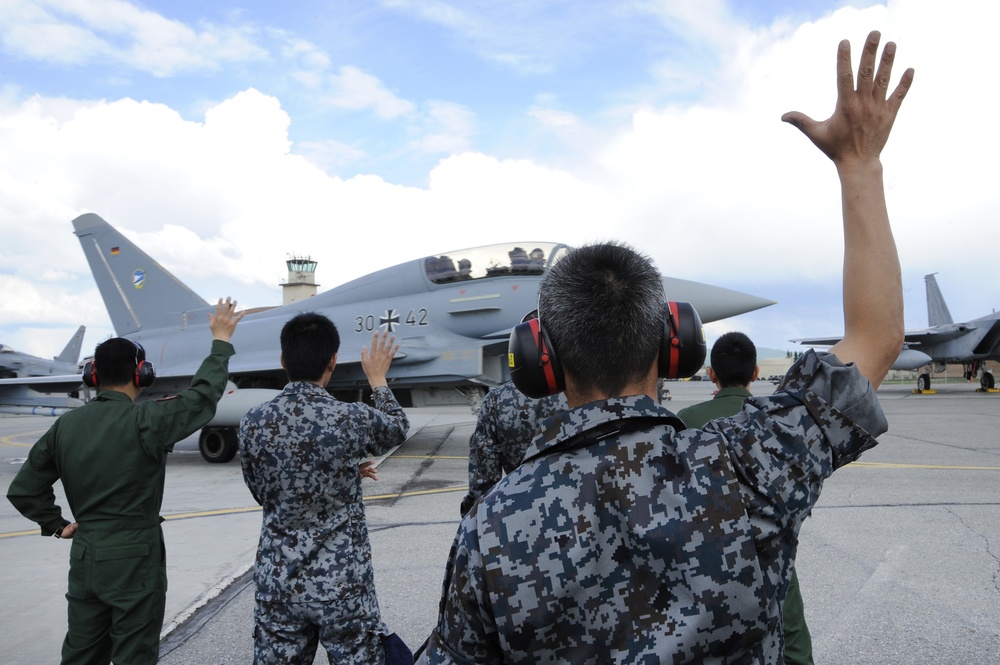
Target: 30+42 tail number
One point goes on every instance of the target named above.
(390, 320)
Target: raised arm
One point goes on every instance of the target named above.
(853, 137)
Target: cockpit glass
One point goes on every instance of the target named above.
(493, 261)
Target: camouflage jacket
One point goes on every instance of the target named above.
(300, 454)
(651, 545)
(508, 421)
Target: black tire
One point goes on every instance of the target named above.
(924, 382)
(986, 381)
(218, 445)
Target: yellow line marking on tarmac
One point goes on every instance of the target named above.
(429, 457)
(250, 509)
(416, 493)
(888, 465)
(9, 439)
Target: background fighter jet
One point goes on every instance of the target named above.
(22, 399)
(944, 342)
(14, 363)
(451, 313)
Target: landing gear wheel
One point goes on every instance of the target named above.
(218, 445)
(924, 382)
(986, 381)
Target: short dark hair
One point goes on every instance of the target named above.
(308, 342)
(602, 306)
(734, 358)
(115, 361)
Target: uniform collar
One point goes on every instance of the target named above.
(303, 387)
(733, 390)
(113, 395)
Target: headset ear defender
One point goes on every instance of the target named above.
(145, 372)
(683, 349)
(536, 372)
(90, 375)
(532, 361)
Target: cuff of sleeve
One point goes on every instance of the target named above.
(223, 348)
(49, 532)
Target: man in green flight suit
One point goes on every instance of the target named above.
(733, 368)
(110, 455)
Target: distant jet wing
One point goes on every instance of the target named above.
(916, 337)
(938, 334)
(818, 341)
(60, 383)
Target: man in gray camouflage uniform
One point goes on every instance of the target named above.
(301, 455)
(620, 538)
(508, 421)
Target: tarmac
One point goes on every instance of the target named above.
(899, 563)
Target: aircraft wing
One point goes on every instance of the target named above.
(61, 383)
(938, 334)
(934, 335)
(818, 341)
(39, 395)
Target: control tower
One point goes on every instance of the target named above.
(301, 282)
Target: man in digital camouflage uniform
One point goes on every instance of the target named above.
(733, 368)
(110, 455)
(508, 421)
(621, 539)
(301, 455)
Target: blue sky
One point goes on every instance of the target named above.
(224, 136)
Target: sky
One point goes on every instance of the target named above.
(224, 137)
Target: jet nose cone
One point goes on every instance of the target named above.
(713, 302)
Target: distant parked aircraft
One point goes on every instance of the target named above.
(945, 342)
(20, 399)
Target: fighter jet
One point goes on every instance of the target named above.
(452, 314)
(25, 400)
(944, 342)
(14, 363)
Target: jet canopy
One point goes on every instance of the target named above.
(493, 261)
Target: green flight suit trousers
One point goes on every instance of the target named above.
(117, 596)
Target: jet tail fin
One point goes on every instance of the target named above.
(71, 354)
(138, 292)
(937, 310)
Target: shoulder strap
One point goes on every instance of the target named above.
(608, 429)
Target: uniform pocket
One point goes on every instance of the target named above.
(77, 570)
(124, 568)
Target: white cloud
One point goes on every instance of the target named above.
(352, 88)
(446, 129)
(79, 33)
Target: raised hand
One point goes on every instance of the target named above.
(376, 364)
(860, 125)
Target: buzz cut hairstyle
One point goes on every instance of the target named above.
(734, 358)
(115, 361)
(603, 308)
(308, 342)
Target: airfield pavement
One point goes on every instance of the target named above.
(899, 563)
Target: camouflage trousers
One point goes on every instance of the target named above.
(289, 633)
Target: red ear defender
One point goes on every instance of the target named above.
(683, 350)
(90, 374)
(145, 373)
(534, 368)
